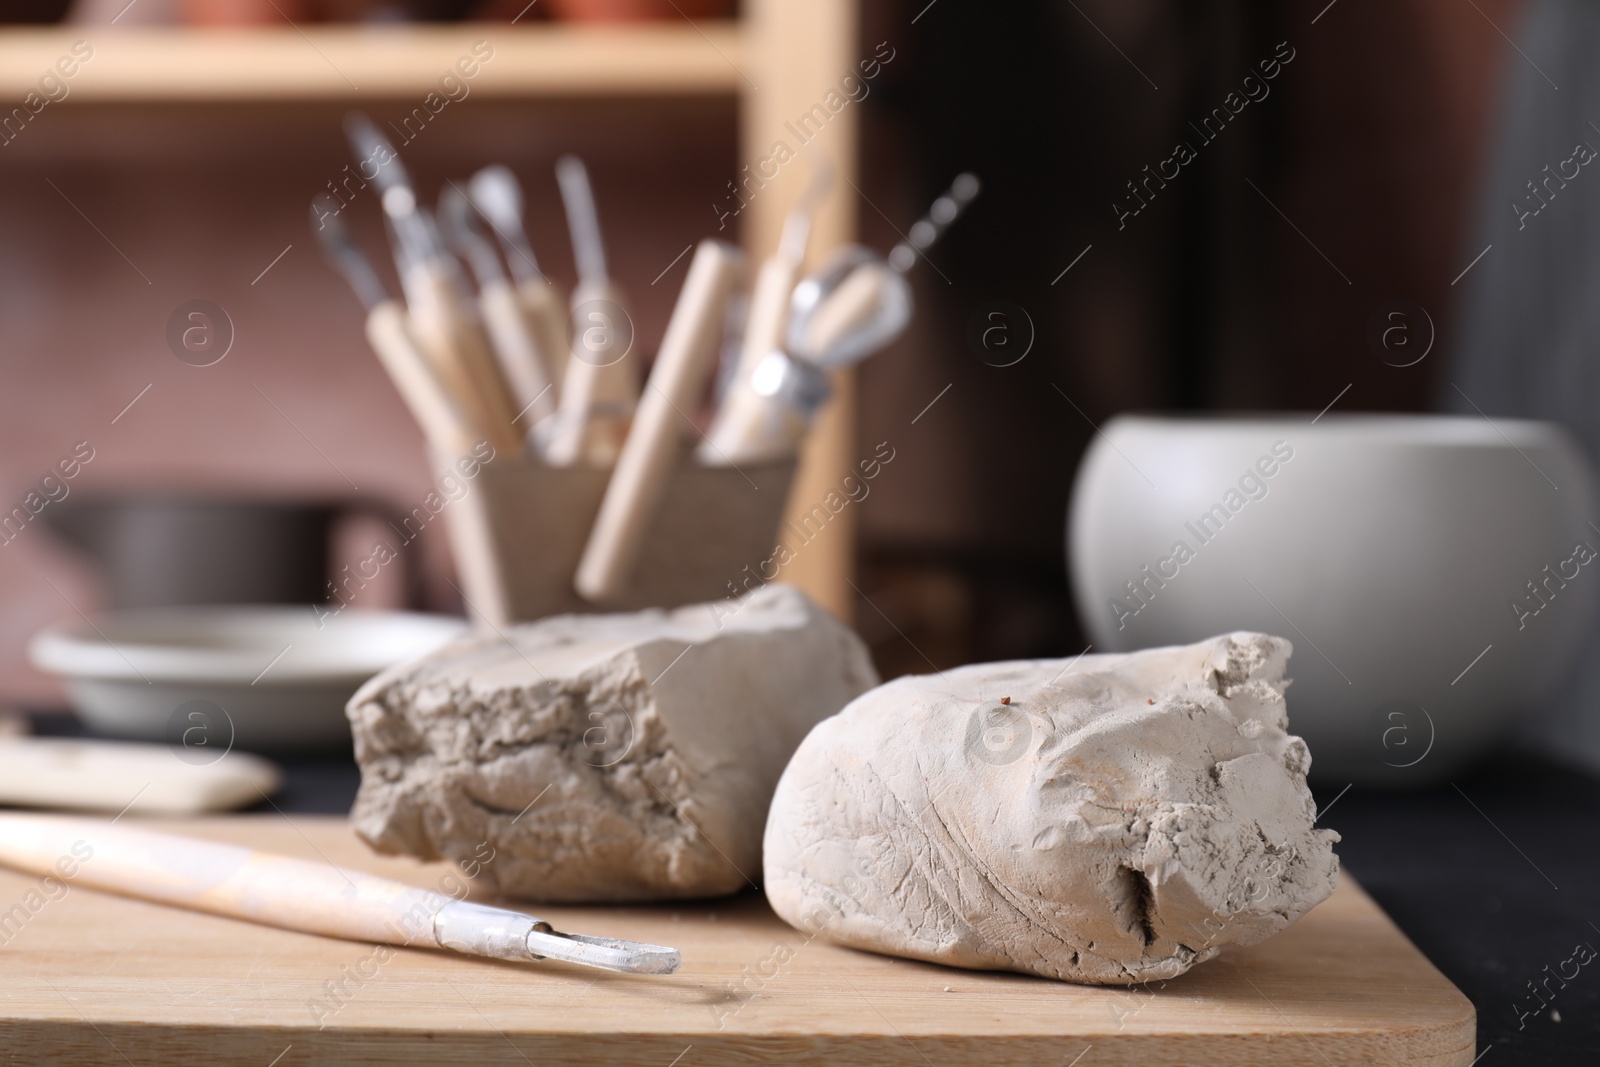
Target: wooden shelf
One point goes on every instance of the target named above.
(183, 65)
(795, 51)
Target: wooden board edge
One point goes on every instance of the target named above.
(65, 1043)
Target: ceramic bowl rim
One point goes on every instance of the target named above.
(1406, 429)
(83, 650)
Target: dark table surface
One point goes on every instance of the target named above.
(1495, 877)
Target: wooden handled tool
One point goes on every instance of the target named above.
(743, 415)
(857, 303)
(849, 309)
(452, 336)
(496, 193)
(599, 387)
(425, 395)
(870, 307)
(433, 403)
(516, 349)
(315, 898)
(546, 314)
(677, 380)
(441, 315)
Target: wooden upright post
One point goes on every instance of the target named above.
(801, 51)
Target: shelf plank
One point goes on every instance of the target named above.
(350, 63)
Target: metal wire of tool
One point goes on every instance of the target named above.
(926, 230)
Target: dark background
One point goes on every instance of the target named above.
(1371, 141)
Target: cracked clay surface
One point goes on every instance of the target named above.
(590, 758)
(1112, 821)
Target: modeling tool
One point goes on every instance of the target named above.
(856, 304)
(677, 382)
(427, 396)
(441, 312)
(600, 386)
(765, 321)
(496, 192)
(510, 331)
(293, 894)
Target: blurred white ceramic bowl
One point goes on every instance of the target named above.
(1390, 549)
(280, 678)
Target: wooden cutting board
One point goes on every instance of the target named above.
(90, 978)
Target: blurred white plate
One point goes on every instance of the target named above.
(208, 678)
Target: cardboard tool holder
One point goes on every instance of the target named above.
(518, 533)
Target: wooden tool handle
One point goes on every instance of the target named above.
(653, 445)
(431, 402)
(313, 897)
(546, 313)
(317, 898)
(459, 351)
(600, 387)
(751, 428)
(517, 351)
(769, 310)
(857, 301)
(747, 427)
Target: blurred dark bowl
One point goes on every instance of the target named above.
(33, 11)
(160, 548)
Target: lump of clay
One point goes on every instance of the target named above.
(602, 757)
(1114, 820)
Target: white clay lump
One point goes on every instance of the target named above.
(1112, 820)
(602, 757)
